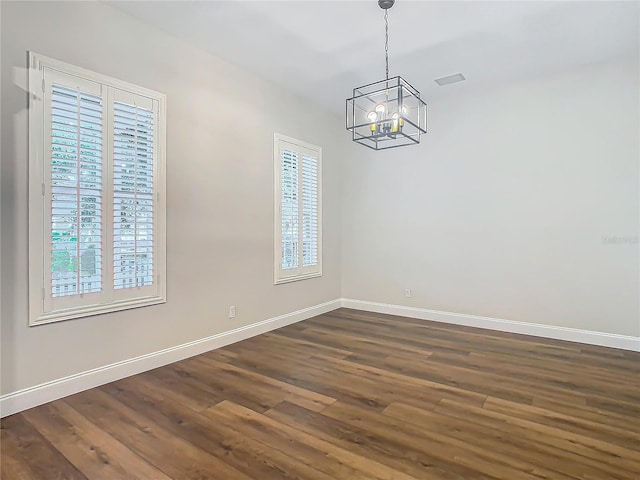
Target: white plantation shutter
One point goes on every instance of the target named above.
(298, 210)
(133, 195)
(76, 191)
(96, 193)
(309, 210)
(290, 203)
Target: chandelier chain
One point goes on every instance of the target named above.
(386, 42)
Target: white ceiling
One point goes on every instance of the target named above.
(323, 49)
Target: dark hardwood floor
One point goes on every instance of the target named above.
(354, 396)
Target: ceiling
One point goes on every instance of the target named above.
(323, 49)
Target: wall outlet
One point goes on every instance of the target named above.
(232, 311)
(407, 292)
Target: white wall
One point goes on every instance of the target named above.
(504, 208)
(220, 126)
(500, 212)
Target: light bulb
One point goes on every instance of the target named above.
(373, 116)
(380, 108)
(403, 111)
(394, 122)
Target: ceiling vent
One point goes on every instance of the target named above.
(448, 80)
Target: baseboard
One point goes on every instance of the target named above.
(37, 395)
(31, 397)
(547, 331)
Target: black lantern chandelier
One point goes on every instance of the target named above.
(388, 113)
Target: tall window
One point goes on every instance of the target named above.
(298, 209)
(96, 201)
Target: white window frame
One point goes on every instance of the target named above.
(301, 272)
(42, 309)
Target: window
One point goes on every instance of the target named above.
(298, 209)
(96, 193)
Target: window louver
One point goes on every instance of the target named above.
(133, 191)
(76, 192)
(289, 208)
(309, 210)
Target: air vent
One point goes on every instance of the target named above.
(448, 80)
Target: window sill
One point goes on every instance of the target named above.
(296, 278)
(69, 314)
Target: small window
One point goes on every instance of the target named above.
(96, 193)
(298, 209)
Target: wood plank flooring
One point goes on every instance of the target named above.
(349, 396)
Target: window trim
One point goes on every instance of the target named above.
(37, 181)
(278, 277)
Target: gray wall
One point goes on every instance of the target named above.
(521, 204)
(220, 124)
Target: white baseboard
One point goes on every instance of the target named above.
(33, 396)
(547, 331)
(37, 395)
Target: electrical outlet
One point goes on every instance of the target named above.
(407, 292)
(232, 311)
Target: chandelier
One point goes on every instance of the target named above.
(388, 113)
